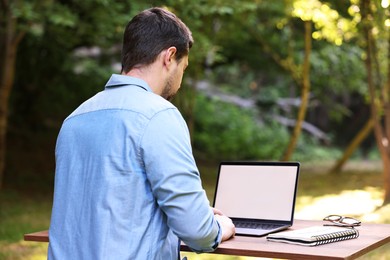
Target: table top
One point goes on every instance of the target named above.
(371, 236)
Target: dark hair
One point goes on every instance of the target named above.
(149, 33)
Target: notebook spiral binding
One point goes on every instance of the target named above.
(337, 236)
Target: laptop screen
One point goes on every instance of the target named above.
(257, 190)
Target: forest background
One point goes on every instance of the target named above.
(268, 80)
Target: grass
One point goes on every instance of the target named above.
(22, 213)
(357, 192)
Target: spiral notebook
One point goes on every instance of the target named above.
(314, 236)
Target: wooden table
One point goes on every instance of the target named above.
(371, 237)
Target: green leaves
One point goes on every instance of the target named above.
(252, 48)
(61, 15)
(226, 132)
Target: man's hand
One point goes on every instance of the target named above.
(227, 226)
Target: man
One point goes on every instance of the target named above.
(126, 185)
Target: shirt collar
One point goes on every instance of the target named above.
(117, 80)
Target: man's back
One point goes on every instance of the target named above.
(114, 188)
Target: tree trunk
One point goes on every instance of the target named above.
(386, 106)
(9, 43)
(304, 94)
(386, 155)
(379, 105)
(356, 141)
(386, 173)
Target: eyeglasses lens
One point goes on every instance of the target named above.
(342, 221)
(350, 221)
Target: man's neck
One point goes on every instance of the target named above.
(148, 74)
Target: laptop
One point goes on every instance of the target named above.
(258, 196)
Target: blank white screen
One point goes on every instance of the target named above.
(256, 191)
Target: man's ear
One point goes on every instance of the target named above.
(169, 56)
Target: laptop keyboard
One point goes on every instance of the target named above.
(254, 225)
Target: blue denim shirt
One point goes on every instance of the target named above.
(126, 182)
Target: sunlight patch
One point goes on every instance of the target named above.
(348, 203)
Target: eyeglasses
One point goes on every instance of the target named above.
(341, 221)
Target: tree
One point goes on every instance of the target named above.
(73, 23)
(203, 20)
(54, 32)
(287, 57)
(352, 146)
(304, 82)
(11, 34)
(379, 88)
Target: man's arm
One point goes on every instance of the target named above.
(176, 184)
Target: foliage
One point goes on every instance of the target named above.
(309, 149)
(61, 78)
(375, 36)
(337, 72)
(225, 132)
(338, 69)
(262, 41)
(44, 102)
(234, 46)
(328, 22)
